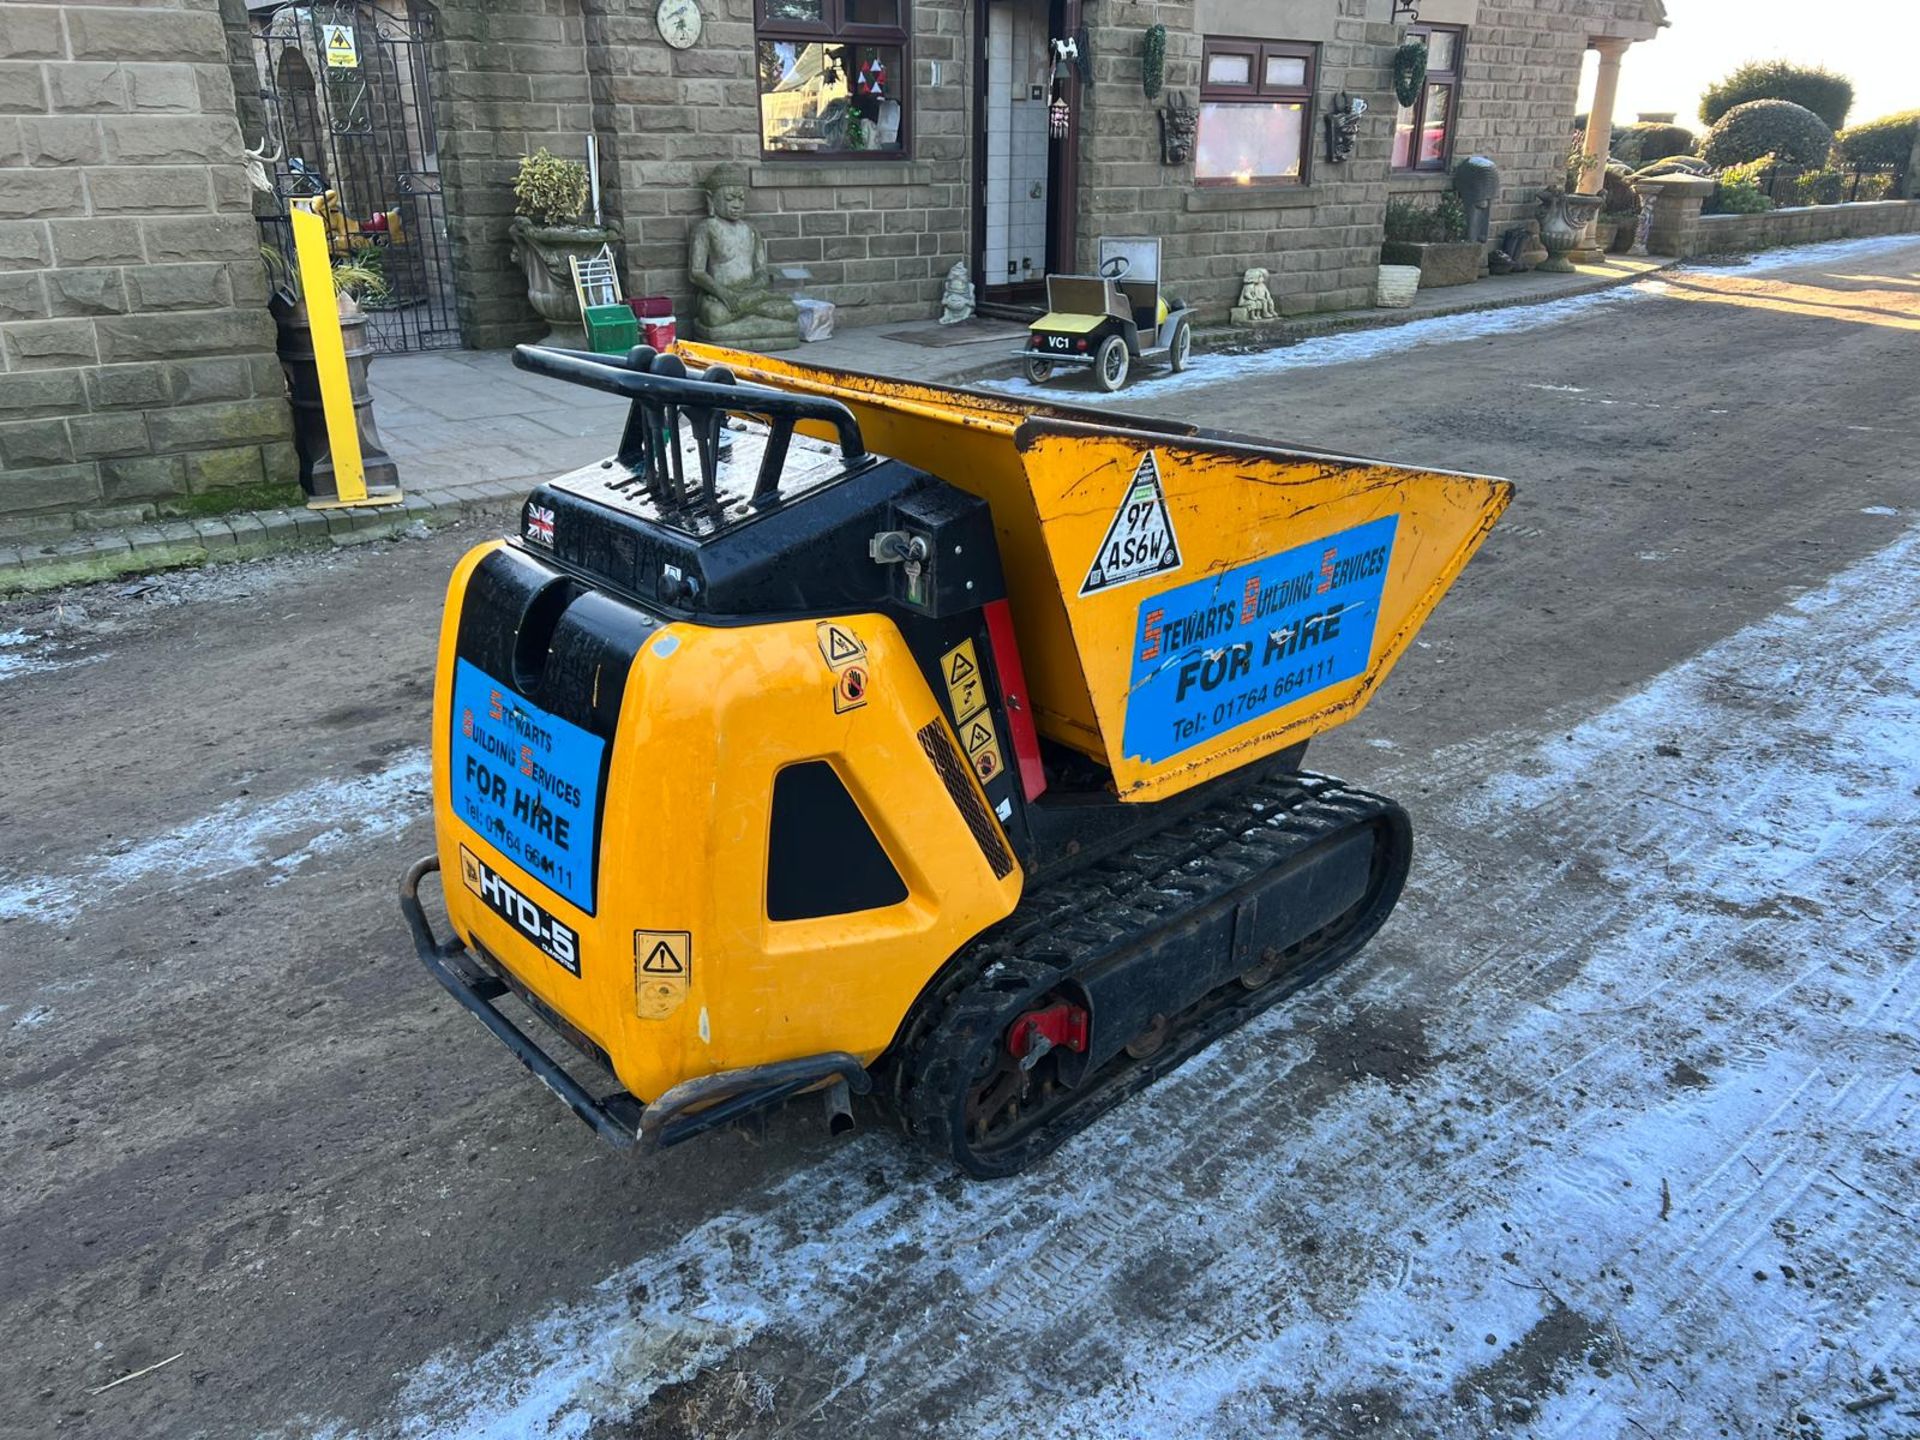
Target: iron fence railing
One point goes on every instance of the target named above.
(1836, 185)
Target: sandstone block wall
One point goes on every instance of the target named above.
(1801, 225)
(136, 353)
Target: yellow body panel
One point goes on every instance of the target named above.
(1057, 477)
(709, 716)
(1060, 320)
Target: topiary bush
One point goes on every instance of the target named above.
(1674, 165)
(1781, 128)
(1826, 94)
(1646, 143)
(1886, 141)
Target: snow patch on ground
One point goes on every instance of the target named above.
(1355, 345)
(1340, 349)
(23, 653)
(1617, 1142)
(1828, 252)
(283, 833)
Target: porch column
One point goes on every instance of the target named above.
(1599, 141)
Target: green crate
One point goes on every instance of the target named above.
(611, 329)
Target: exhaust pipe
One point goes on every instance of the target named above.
(839, 1108)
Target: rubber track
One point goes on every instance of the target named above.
(1071, 923)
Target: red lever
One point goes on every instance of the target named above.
(1062, 1027)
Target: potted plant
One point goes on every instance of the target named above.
(357, 280)
(1433, 241)
(548, 228)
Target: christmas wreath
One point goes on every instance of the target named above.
(1153, 60)
(1409, 71)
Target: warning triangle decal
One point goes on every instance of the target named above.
(662, 961)
(961, 669)
(1140, 540)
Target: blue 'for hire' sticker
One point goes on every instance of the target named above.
(1213, 654)
(527, 782)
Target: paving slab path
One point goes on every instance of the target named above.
(1611, 1132)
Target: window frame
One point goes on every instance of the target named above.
(1452, 78)
(1259, 92)
(833, 28)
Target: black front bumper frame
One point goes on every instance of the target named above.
(690, 1108)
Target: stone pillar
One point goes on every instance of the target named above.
(137, 365)
(1676, 212)
(1599, 141)
(1606, 86)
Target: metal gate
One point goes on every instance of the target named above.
(349, 101)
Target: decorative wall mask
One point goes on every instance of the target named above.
(1179, 118)
(1343, 126)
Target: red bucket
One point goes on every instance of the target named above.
(655, 314)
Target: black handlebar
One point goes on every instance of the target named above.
(660, 388)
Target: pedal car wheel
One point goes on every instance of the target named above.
(1038, 370)
(1180, 352)
(1110, 366)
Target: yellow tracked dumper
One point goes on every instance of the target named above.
(879, 739)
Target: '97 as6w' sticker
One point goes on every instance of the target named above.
(555, 937)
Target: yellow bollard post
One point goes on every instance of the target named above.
(330, 362)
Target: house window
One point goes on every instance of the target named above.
(833, 77)
(1256, 97)
(1423, 131)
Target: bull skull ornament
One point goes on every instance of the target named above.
(257, 163)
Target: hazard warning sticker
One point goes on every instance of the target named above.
(960, 667)
(850, 689)
(1139, 542)
(662, 971)
(983, 746)
(838, 645)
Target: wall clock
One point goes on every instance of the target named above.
(679, 22)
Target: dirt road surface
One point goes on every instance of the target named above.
(1611, 1133)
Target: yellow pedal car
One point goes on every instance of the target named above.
(1107, 321)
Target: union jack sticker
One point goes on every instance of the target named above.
(540, 525)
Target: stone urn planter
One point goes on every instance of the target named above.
(1563, 219)
(543, 252)
(310, 438)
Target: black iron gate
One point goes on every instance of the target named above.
(349, 104)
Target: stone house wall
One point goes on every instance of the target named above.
(137, 358)
(514, 75)
(1320, 241)
(876, 236)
